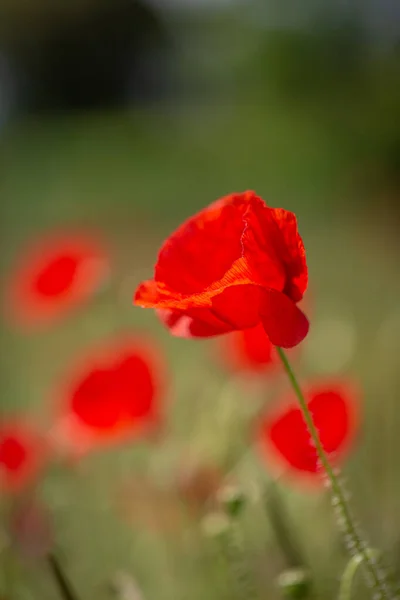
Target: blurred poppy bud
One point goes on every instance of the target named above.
(233, 500)
(295, 583)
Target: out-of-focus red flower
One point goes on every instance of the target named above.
(248, 350)
(57, 274)
(233, 265)
(114, 394)
(284, 435)
(22, 455)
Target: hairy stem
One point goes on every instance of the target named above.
(377, 579)
(232, 543)
(348, 576)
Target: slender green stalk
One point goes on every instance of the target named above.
(379, 585)
(346, 582)
(232, 543)
(234, 501)
(279, 522)
(295, 580)
(61, 580)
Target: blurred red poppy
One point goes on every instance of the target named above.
(55, 275)
(284, 435)
(115, 394)
(22, 455)
(248, 350)
(233, 265)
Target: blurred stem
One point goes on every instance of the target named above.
(279, 523)
(232, 544)
(63, 585)
(379, 584)
(348, 575)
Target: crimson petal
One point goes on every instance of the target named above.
(285, 324)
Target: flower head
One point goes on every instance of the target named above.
(235, 264)
(284, 436)
(22, 455)
(114, 394)
(55, 275)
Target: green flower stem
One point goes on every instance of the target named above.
(349, 574)
(232, 544)
(62, 583)
(280, 525)
(379, 585)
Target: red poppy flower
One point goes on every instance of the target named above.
(248, 350)
(284, 434)
(233, 265)
(115, 394)
(57, 274)
(22, 454)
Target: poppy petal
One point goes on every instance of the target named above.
(332, 407)
(248, 350)
(334, 417)
(292, 253)
(137, 385)
(261, 241)
(185, 277)
(238, 306)
(285, 324)
(146, 294)
(216, 231)
(151, 295)
(197, 323)
(92, 400)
